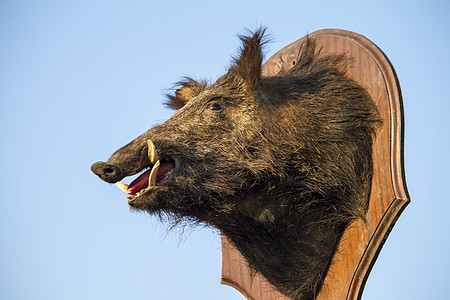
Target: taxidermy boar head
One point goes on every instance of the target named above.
(279, 164)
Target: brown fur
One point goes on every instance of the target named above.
(279, 164)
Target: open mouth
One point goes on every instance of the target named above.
(158, 172)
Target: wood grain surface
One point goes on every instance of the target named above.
(361, 242)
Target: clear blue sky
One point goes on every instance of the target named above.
(78, 79)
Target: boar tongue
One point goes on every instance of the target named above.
(139, 183)
(142, 181)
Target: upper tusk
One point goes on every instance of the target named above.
(122, 186)
(152, 152)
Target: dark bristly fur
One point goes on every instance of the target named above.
(280, 165)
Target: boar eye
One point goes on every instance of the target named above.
(214, 106)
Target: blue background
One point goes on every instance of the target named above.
(79, 79)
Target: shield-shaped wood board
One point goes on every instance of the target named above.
(361, 242)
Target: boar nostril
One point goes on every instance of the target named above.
(107, 172)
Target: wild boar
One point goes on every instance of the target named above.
(281, 164)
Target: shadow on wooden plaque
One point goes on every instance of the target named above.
(361, 242)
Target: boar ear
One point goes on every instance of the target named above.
(248, 66)
(188, 89)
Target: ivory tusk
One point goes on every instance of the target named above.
(152, 177)
(122, 186)
(152, 152)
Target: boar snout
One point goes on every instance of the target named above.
(107, 172)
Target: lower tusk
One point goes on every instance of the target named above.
(152, 177)
(122, 186)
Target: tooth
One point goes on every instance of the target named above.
(152, 152)
(152, 177)
(122, 186)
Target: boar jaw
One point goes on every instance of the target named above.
(154, 177)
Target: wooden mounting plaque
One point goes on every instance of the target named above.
(361, 242)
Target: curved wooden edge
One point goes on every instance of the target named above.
(398, 180)
(374, 247)
(389, 192)
(237, 274)
(227, 279)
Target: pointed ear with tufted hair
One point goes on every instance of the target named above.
(188, 89)
(247, 66)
